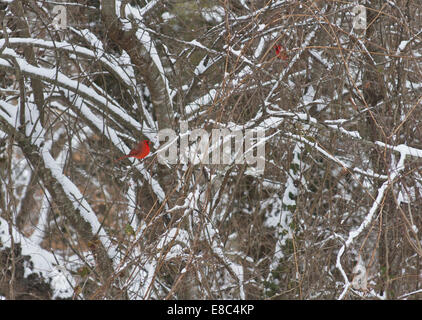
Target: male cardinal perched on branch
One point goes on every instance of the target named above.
(140, 151)
(280, 52)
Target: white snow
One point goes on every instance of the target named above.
(43, 262)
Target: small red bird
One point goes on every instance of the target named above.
(139, 152)
(280, 52)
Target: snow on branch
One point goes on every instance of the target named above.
(367, 220)
(117, 72)
(42, 262)
(56, 77)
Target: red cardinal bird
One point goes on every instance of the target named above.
(281, 52)
(140, 151)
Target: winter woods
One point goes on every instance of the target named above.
(330, 94)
